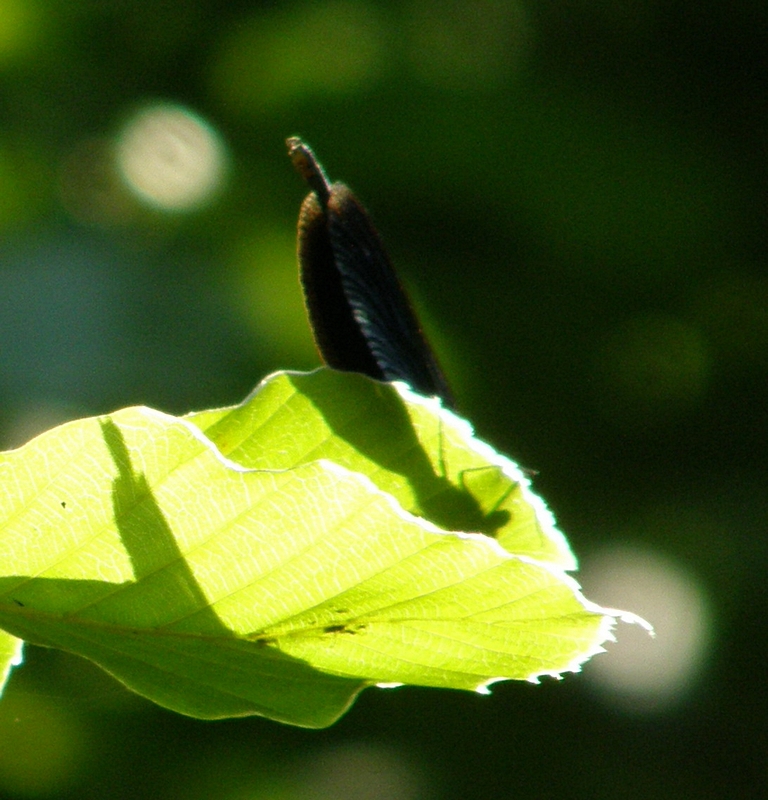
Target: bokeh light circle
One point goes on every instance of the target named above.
(170, 157)
(638, 672)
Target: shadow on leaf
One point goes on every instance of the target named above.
(127, 628)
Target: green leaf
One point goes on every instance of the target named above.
(10, 656)
(425, 456)
(284, 576)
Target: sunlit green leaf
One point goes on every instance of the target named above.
(284, 576)
(10, 656)
(423, 455)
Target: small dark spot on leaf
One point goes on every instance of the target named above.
(18, 602)
(63, 503)
(335, 628)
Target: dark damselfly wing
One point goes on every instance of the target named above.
(360, 315)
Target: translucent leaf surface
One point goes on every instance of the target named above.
(10, 656)
(423, 455)
(284, 576)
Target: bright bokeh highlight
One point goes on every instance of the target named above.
(637, 672)
(171, 158)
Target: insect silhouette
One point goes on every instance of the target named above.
(363, 321)
(361, 317)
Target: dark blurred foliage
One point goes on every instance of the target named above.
(575, 193)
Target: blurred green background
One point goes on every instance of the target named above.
(574, 192)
